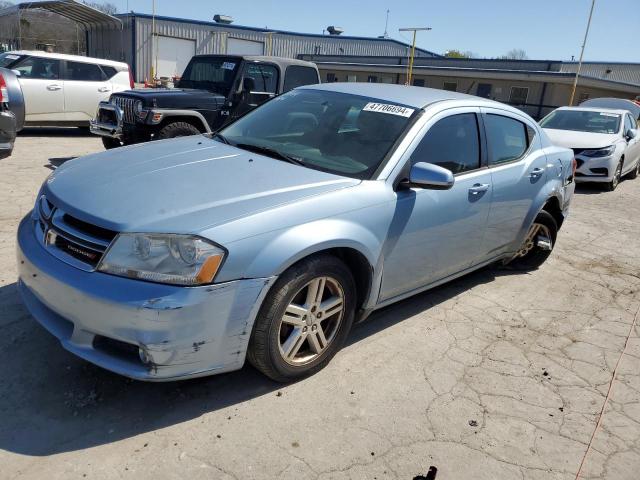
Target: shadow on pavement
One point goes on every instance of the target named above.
(53, 402)
(55, 132)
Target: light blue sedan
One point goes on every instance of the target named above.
(268, 240)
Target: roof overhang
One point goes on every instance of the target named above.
(78, 12)
(499, 74)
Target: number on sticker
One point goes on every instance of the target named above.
(388, 108)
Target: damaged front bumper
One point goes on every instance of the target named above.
(108, 121)
(142, 330)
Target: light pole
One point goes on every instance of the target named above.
(413, 47)
(584, 43)
(269, 36)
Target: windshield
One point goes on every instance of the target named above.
(334, 132)
(8, 59)
(210, 73)
(582, 121)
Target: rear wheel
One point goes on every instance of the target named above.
(110, 143)
(613, 184)
(635, 172)
(177, 129)
(304, 320)
(538, 244)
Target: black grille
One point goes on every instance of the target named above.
(578, 151)
(89, 229)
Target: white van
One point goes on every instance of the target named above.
(65, 89)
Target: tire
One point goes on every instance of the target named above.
(635, 172)
(110, 143)
(538, 243)
(617, 176)
(177, 129)
(288, 350)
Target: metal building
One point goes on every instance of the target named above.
(166, 44)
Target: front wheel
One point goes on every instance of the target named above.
(177, 129)
(110, 143)
(613, 184)
(304, 320)
(538, 244)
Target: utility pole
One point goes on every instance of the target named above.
(584, 43)
(413, 48)
(269, 36)
(154, 48)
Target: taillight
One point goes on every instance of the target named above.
(4, 94)
(574, 167)
(131, 83)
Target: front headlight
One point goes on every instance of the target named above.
(138, 106)
(163, 258)
(599, 152)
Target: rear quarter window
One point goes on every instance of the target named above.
(297, 76)
(109, 72)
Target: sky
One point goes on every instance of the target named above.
(544, 29)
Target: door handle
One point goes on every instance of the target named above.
(536, 172)
(479, 188)
(104, 89)
(53, 87)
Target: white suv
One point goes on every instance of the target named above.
(65, 89)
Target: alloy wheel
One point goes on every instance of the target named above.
(311, 321)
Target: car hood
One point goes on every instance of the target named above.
(180, 185)
(174, 97)
(571, 139)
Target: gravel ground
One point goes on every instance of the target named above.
(496, 375)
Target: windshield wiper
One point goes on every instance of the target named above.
(222, 138)
(270, 152)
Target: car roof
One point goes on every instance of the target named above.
(595, 109)
(263, 58)
(617, 103)
(417, 97)
(64, 56)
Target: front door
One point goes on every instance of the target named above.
(437, 233)
(42, 88)
(519, 169)
(259, 84)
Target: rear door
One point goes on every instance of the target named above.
(299, 75)
(518, 169)
(85, 85)
(42, 87)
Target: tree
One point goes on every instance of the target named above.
(458, 54)
(515, 54)
(105, 7)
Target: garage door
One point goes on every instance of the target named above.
(238, 46)
(174, 55)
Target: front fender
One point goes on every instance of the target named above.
(298, 242)
(168, 113)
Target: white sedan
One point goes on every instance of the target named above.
(605, 142)
(65, 89)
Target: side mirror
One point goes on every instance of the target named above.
(630, 134)
(248, 85)
(18, 73)
(428, 175)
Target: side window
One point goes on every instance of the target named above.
(265, 77)
(452, 143)
(629, 123)
(39, 68)
(507, 138)
(296, 76)
(87, 72)
(109, 72)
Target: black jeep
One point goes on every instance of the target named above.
(214, 90)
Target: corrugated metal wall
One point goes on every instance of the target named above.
(211, 38)
(618, 72)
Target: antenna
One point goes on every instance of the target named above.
(386, 24)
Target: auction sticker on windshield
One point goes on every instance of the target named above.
(388, 108)
(228, 65)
